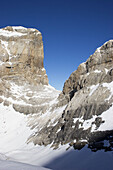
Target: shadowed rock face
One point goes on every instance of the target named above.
(21, 54)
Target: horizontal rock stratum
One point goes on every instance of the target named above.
(21, 54)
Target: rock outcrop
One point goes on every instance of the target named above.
(89, 96)
(23, 79)
(97, 69)
(24, 84)
(21, 55)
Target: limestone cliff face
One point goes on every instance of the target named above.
(21, 54)
(89, 96)
(87, 73)
(24, 84)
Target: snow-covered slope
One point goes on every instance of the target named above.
(27, 102)
(10, 165)
(87, 119)
(18, 130)
(38, 124)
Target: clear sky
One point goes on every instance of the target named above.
(71, 30)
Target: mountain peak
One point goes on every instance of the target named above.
(88, 115)
(101, 60)
(21, 54)
(20, 29)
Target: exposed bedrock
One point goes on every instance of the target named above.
(89, 96)
(21, 53)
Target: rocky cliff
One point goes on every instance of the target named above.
(24, 87)
(97, 69)
(23, 79)
(87, 118)
(81, 114)
(21, 55)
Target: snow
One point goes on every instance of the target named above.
(110, 87)
(108, 117)
(54, 124)
(74, 140)
(10, 63)
(48, 93)
(58, 130)
(106, 70)
(43, 69)
(107, 42)
(88, 123)
(23, 28)
(3, 157)
(19, 27)
(75, 119)
(51, 116)
(85, 123)
(83, 160)
(7, 33)
(12, 126)
(5, 44)
(87, 74)
(15, 131)
(83, 140)
(97, 71)
(71, 159)
(93, 89)
(1, 63)
(10, 165)
(38, 156)
(98, 49)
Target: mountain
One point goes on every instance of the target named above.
(27, 101)
(42, 126)
(9, 165)
(21, 55)
(87, 118)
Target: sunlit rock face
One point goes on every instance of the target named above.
(97, 69)
(21, 54)
(24, 88)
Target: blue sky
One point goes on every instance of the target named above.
(71, 29)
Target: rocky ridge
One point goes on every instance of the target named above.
(89, 96)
